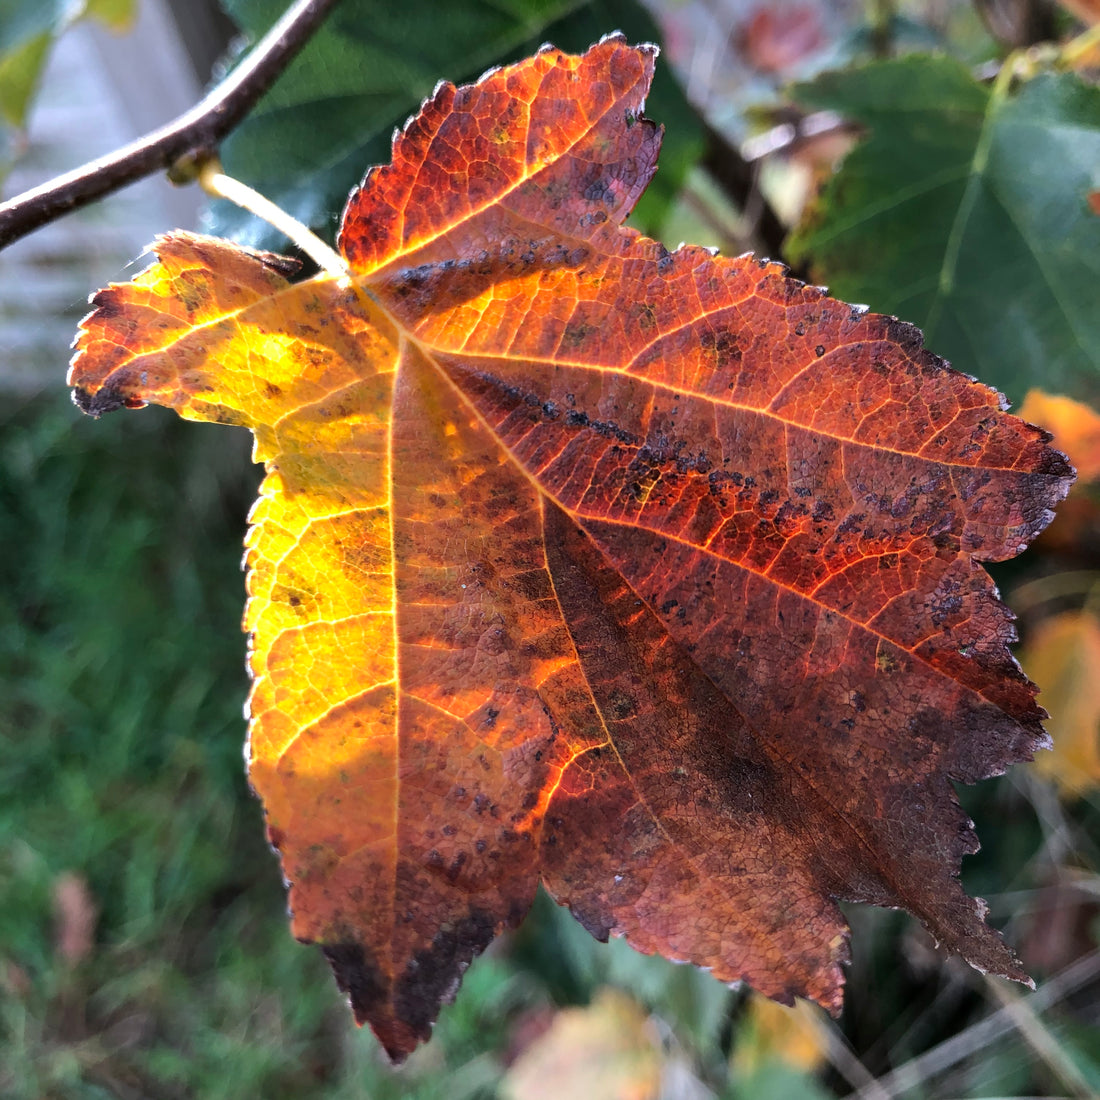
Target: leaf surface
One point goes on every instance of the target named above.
(654, 576)
(968, 211)
(370, 67)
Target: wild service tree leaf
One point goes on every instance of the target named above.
(654, 576)
(371, 66)
(968, 212)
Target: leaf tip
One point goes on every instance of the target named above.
(366, 989)
(104, 400)
(617, 38)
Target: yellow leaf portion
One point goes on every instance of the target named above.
(772, 1032)
(1064, 656)
(609, 1050)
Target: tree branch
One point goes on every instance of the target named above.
(198, 132)
(738, 179)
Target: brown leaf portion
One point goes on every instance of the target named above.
(652, 574)
(564, 132)
(681, 833)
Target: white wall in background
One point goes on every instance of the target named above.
(100, 91)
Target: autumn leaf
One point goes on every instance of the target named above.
(369, 68)
(1064, 653)
(1074, 426)
(652, 576)
(610, 1050)
(773, 1032)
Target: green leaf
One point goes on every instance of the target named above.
(965, 210)
(119, 15)
(332, 114)
(20, 69)
(28, 29)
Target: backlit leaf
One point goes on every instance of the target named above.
(370, 67)
(655, 576)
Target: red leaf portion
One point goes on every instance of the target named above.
(652, 575)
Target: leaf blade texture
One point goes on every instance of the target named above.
(652, 576)
(369, 69)
(967, 211)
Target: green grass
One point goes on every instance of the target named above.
(120, 759)
(121, 687)
(121, 690)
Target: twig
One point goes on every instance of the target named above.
(738, 179)
(1037, 1036)
(845, 1061)
(791, 134)
(978, 1036)
(883, 14)
(1055, 586)
(220, 186)
(197, 132)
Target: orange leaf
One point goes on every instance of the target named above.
(654, 576)
(773, 1032)
(1064, 653)
(1074, 425)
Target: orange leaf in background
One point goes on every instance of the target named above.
(610, 1050)
(652, 576)
(1063, 653)
(1074, 425)
(1075, 533)
(793, 1036)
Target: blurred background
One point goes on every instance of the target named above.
(144, 948)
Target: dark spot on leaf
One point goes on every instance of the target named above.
(104, 400)
(357, 976)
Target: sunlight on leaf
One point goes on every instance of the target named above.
(655, 577)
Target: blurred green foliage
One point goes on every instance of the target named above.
(28, 29)
(966, 211)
